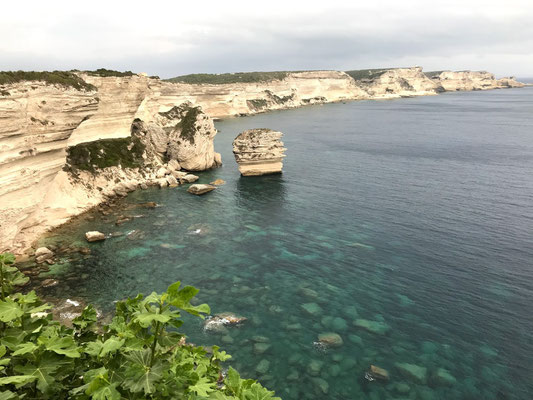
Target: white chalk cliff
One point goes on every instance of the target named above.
(43, 129)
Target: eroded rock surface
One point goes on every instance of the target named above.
(259, 152)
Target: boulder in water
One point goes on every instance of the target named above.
(94, 236)
(199, 189)
(259, 152)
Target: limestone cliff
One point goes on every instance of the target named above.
(472, 80)
(259, 152)
(63, 150)
(40, 122)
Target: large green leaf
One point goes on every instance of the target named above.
(111, 345)
(140, 376)
(17, 379)
(8, 395)
(43, 371)
(203, 387)
(24, 348)
(258, 392)
(181, 299)
(145, 318)
(62, 345)
(9, 310)
(107, 392)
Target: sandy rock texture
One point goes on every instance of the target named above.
(259, 152)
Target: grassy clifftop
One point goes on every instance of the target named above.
(237, 77)
(360, 74)
(61, 78)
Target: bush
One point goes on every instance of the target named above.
(61, 78)
(108, 72)
(139, 355)
(237, 77)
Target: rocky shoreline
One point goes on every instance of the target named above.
(64, 150)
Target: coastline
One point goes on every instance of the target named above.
(39, 194)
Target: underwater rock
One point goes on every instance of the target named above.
(218, 182)
(376, 373)
(263, 366)
(199, 189)
(355, 339)
(84, 250)
(330, 339)
(148, 204)
(413, 372)
(321, 384)
(227, 339)
(260, 348)
(310, 293)
(121, 219)
(314, 367)
(402, 388)
(312, 309)
(259, 152)
(339, 324)
(377, 327)
(94, 236)
(444, 378)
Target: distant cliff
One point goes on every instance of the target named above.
(46, 118)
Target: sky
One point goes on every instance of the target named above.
(171, 38)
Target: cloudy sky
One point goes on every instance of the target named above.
(170, 38)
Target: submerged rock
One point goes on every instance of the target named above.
(412, 371)
(259, 152)
(377, 373)
(263, 366)
(312, 308)
(330, 339)
(218, 182)
(94, 236)
(199, 189)
(260, 348)
(377, 327)
(444, 378)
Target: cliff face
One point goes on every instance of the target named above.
(41, 126)
(400, 82)
(36, 121)
(297, 89)
(473, 80)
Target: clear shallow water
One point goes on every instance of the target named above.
(416, 213)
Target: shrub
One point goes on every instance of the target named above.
(139, 355)
(60, 78)
(237, 77)
(108, 72)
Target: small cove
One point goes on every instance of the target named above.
(413, 214)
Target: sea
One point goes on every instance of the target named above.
(403, 227)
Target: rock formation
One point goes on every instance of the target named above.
(259, 152)
(44, 124)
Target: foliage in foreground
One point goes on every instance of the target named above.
(139, 355)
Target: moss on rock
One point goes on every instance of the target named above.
(89, 156)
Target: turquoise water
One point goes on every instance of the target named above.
(413, 214)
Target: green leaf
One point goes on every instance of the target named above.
(44, 371)
(110, 345)
(17, 379)
(140, 377)
(8, 395)
(146, 318)
(181, 299)
(87, 318)
(94, 348)
(258, 392)
(7, 258)
(9, 310)
(108, 392)
(24, 348)
(64, 345)
(203, 387)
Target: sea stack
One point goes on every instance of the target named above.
(259, 152)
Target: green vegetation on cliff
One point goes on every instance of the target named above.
(237, 77)
(108, 72)
(61, 78)
(138, 355)
(433, 74)
(103, 153)
(367, 73)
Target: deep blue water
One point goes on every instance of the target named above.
(416, 214)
